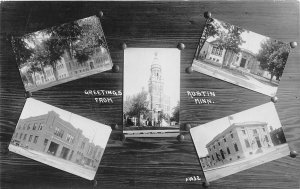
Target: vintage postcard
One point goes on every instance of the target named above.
(241, 57)
(62, 53)
(60, 139)
(240, 141)
(151, 92)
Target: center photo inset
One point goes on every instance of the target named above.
(151, 92)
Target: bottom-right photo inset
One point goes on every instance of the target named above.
(240, 141)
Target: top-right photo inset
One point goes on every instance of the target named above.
(241, 57)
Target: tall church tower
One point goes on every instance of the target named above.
(155, 87)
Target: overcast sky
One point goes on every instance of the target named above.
(205, 133)
(95, 131)
(137, 65)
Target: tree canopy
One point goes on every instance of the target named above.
(273, 56)
(21, 49)
(138, 105)
(175, 113)
(228, 36)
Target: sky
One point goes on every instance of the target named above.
(252, 40)
(137, 64)
(95, 131)
(203, 134)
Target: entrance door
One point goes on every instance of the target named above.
(53, 148)
(258, 142)
(64, 152)
(243, 62)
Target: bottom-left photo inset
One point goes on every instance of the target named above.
(60, 139)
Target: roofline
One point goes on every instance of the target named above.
(235, 125)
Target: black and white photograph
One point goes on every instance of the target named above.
(151, 92)
(241, 57)
(60, 139)
(62, 53)
(240, 141)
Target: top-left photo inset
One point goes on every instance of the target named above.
(62, 53)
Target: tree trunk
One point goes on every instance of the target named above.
(34, 79)
(272, 75)
(71, 62)
(55, 72)
(225, 58)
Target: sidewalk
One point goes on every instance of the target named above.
(223, 74)
(59, 163)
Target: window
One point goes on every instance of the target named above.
(82, 145)
(254, 131)
(217, 51)
(219, 143)
(212, 157)
(70, 138)
(21, 135)
(224, 139)
(40, 127)
(30, 138)
(35, 139)
(244, 132)
(220, 52)
(28, 126)
(228, 151)
(34, 126)
(25, 136)
(214, 147)
(59, 132)
(236, 147)
(266, 138)
(231, 134)
(247, 143)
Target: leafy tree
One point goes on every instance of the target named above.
(272, 57)
(228, 36)
(91, 37)
(34, 68)
(21, 49)
(175, 114)
(139, 105)
(62, 38)
(230, 40)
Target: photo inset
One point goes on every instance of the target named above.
(241, 57)
(240, 141)
(60, 139)
(151, 92)
(60, 54)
